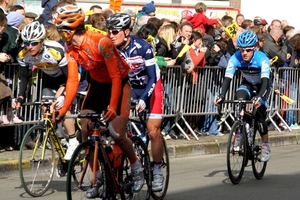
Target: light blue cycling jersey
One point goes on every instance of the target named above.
(253, 71)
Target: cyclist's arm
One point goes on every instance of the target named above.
(229, 73)
(71, 85)
(150, 65)
(23, 81)
(265, 75)
(113, 69)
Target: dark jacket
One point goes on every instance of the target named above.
(48, 5)
(272, 49)
(161, 48)
(9, 42)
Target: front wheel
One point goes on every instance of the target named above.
(36, 161)
(258, 166)
(80, 175)
(165, 167)
(236, 152)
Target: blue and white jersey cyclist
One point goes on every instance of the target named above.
(255, 68)
(144, 76)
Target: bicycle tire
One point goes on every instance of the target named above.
(35, 174)
(76, 169)
(258, 167)
(236, 159)
(142, 153)
(166, 173)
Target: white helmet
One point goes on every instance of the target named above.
(33, 31)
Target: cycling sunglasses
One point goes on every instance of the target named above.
(246, 49)
(32, 43)
(115, 31)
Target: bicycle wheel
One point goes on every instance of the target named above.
(80, 175)
(166, 172)
(36, 172)
(143, 155)
(258, 166)
(236, 154)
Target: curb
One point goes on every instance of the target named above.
(192, 148)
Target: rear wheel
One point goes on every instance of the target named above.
(36, 161)
(258, 166)
(166, 173)
(236, 154)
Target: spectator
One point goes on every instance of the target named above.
(96, 9)
(132, 14)
(284, 23)
(199, 20)
(157, 23)
(10, 37)
(18, 8)
(149, 9)
(108, 12)
(208, 40)
(140, 22)
(261, 41)
(261, 23)
(48, 5)
(219, 55)
(5, 6)
(239, 19)
(275, 24)
(273, 46)
(97, 20)
(246, 24)
(30, 17)
(183, 39)
(165, 38)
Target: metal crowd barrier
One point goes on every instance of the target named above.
(185, 95)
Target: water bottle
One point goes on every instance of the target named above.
(249, 135)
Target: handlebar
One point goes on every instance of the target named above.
(142, 114)
(96, 117)
(241, 101)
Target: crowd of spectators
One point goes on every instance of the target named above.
(208, 41)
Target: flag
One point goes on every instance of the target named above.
(184, 50)
(231, 30)
(286, 99)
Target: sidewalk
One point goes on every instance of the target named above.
(176, 148)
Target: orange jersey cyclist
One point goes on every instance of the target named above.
(145, 81)
(108, 88)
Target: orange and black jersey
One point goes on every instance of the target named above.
(100, 58)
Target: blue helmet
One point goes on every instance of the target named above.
(247, 39)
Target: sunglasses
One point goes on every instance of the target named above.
(246, 49)
(114, 32)
(32, 43)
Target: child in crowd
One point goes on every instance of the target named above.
(199, 19)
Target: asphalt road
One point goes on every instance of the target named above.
(204, 177)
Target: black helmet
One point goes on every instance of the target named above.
(118, 21)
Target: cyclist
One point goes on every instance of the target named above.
(145, 81)
(109, 88)
(255, 67)
(48, 56)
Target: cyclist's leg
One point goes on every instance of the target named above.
(153, 126)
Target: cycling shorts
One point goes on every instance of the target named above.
(155, 103)
(98, 97)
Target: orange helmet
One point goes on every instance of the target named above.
(69, 17)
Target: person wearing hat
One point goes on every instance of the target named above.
(261, 23)
(147, 10)
(30, 17)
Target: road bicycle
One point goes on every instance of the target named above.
(99, 154)
(244, 142)
(37, 160)
(137, 127)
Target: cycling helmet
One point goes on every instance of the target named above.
(260, 22)
(69, 17)
(247, 39)
(33, 32)
(118, 21)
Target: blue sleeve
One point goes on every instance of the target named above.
(265, 67)
(150, 65)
